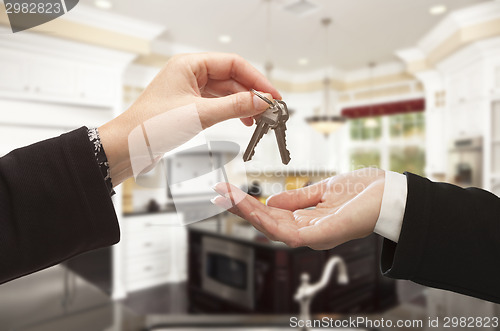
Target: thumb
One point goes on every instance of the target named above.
(237, 105)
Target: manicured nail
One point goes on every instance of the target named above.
(218, 188)
(221, 202)
(260, 104)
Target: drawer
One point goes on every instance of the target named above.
(154, 223)
(142, 268)
(147, 244)
(143, 226)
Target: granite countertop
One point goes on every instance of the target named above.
(170, 208)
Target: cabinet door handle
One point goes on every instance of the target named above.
(148, 244)
(148, 268)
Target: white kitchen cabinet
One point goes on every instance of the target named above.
(36, 77)
(155, 250)
(11, 78)
(466, 84)
(467, 119)
(436, 145)
(51, 79)
(97, 85)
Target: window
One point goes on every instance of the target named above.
(368, 128)
(362, 158)
(410, 158)
(405, 126)
(392, 142)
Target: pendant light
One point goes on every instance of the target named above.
(326, 123)
(268, 66)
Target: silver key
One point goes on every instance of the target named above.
(273, 118)
(280, 133)
(259, 132)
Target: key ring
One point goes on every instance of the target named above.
(262, 97)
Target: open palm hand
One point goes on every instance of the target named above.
(346, 207)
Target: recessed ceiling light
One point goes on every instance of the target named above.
(303, 61)
(225, 39)
(103, 4)
(437, 10)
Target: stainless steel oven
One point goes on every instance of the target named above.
(227, 270)
(466, 162)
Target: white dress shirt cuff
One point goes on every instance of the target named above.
(393, 206)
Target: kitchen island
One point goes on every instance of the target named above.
(232, 268)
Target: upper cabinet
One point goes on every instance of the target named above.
(48, 77)
(70, 68)
(97, 85)
(51, 79)
(51, 70)
(11, 79)
(466, 84)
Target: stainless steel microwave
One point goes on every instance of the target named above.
(227, 270)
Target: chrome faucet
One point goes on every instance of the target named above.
(306, 292)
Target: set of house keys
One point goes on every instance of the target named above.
(274, 118)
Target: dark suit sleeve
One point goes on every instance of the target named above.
(54, 204)
(450, 239)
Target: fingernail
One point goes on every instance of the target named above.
(260, 104)
(221, 202)
(218, 187)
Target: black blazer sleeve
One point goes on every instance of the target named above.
(450, 239)
(54, 204)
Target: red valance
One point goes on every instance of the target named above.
(388, 108)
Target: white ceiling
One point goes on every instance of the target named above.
(362, 30)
